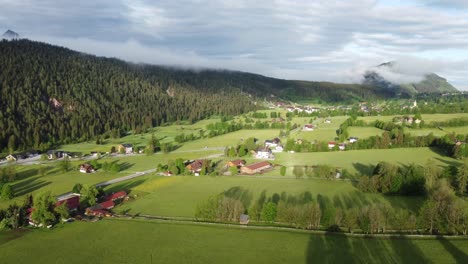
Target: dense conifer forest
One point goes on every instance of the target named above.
(52, 95)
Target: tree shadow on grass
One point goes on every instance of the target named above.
(339, 248)
(125, 166)
(363, 169)
(239, 193)
(126, 186)
(439, 151)
(28, 186)
(26, 173)
(457, 254)
(453, 163)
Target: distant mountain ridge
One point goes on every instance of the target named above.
(10, 34)
(53, 95)
(429, 83)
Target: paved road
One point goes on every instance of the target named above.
(128, 177)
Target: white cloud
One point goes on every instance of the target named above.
(301, 39)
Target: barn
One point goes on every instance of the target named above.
(256, 167)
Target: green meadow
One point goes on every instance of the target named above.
(364, 161)
(133, 241)
(180, 195)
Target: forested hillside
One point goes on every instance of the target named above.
(53, 95)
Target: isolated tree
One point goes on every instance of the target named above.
(283, 170)
(298, 171)
(43, 209)
(269, 212)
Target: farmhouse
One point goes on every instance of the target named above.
(86, 168)
(278, 120)
(353, 139)
(264, 153)
(236, 163)
(278, 148)
(116, 196)
(11, 158)
(72, 200)
(197, 165)
(342, 146)
(256, 167)
(54, 154)
(272, 143)
(331, 144)
(126, 148)
(309, 127)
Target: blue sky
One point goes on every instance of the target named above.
(309, 40)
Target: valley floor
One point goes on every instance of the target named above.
(155, 242)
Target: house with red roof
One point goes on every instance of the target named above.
(236, 163)
(115, 196)
(256, 167)
(72, 200)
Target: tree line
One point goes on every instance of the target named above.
(442, 213)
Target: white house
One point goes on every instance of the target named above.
(278, 148)
(353, 139)
(127, 148)
(264, 153)
(342, 146)
(270, 143)
(331, 144)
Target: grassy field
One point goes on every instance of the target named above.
(163, 133)
(230, 139)
(364, 161)
(29, 180)
(154, 242)
(179, 196)
(364, 132)
(426, 117)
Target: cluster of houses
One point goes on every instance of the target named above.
(87, 168)
(254, 168)
(26, 155)
(267, 150)
(103, 208)
(341, 146)
(72, 201)
(299, 109)
(407, 120)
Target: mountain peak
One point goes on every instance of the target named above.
(10, 34)
(389, 64)
(401, 77)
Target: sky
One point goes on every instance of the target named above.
(308, 40)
